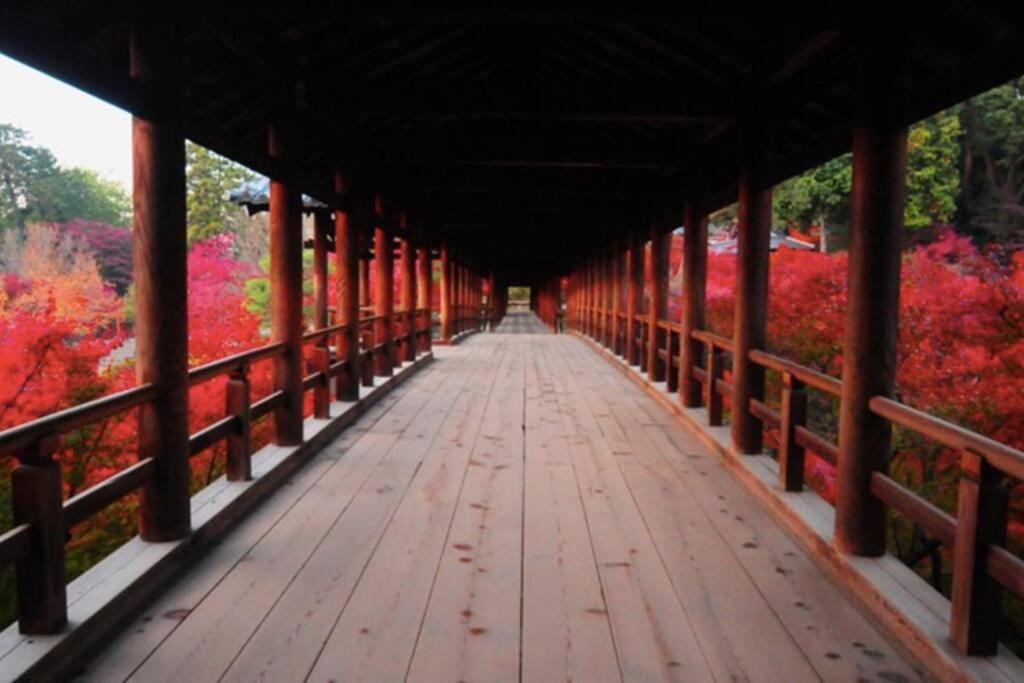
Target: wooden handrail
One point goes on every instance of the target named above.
(934, 521)
(79, 508)
(21, 437)
(1006, 459)
(315, 335)
(811, 378)
(223, 366)
(718, 341)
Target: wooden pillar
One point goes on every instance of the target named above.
(321, 227)
(872, 311)
(321, 360)
(364, 277)
(347, 262)
(161, 311)
(592, 297)
(658, 300)
(286, 285)
(755, 214)
(602, 297)
(408, 303)
(425, 291)
(695, 271)
(634, 286)
(384, 293)
(606, 297)
(446, 293)
(616, 344)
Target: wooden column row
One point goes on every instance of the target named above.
(461, 296)
(879, 160)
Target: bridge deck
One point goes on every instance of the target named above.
(519, 510)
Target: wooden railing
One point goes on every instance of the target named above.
(982, 566)
(36, 542)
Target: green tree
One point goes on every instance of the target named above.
(821, 196)
(84, 194)
(992, 197)
(933, 170)
(34, 188)
(22, 167)
(210, 178)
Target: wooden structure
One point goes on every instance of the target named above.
(540, 147)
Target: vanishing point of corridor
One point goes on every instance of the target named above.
(517, 511)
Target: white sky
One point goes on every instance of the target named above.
(79, 129)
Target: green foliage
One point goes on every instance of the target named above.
(22, 167)
(34, 188)
(933, 175)
(821, 196)
(992, 201)
(257, 290)
(83, 194)
(257, 293)
(210, 178)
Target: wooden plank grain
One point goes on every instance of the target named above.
(375, 635)
(140, 638)
(566, 631)
(654, 637)
(291, 636)
(471, 629)
(832, 633)
(214, 631)
(737, 629)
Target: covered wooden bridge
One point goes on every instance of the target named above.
(521, 505)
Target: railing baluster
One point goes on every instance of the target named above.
(322, 391)
(981, 521)
(368, 366)
(671, 352)
(36, 496)
(239, 443)
(794, 414)
(712, 399)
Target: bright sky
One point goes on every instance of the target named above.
(79, 129)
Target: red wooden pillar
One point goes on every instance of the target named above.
(695, 269)
(286, 285)
(616, 344)
(873, 285)
(424, 292)
(658, 303)
(456, 295)
(592, 298)
(584, 295)
(321, 227)
(408, 303)
(634, 286)
(446, 293)
(496, 300)
(161, 313)
(364, 276)
(347, 261)
(321, 353)
(384, 293)
(606, 298)
(755, 214)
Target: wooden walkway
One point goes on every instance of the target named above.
(519, 322)
(518, 511)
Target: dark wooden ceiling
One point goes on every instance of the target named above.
(518, 133)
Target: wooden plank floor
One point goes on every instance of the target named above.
(518, 511)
